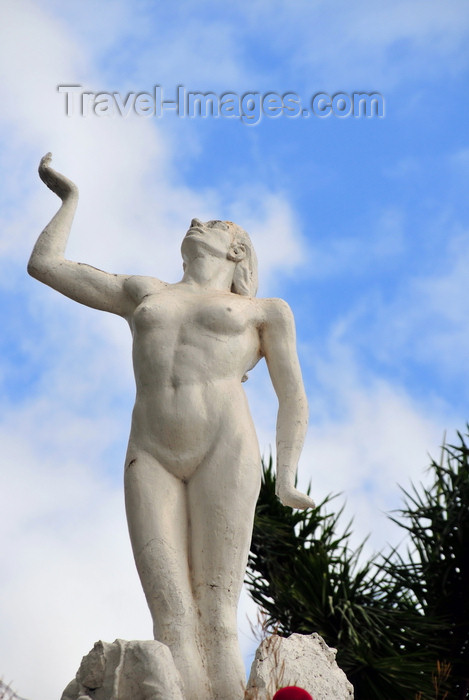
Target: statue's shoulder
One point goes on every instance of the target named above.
(138, 286)
(275, 309)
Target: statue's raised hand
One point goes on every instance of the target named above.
(58, 183)
(290, 496)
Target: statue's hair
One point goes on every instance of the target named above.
(245, 280)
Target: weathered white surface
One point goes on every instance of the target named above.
(302, 660)
(138, 670)
(145, 670)
(192, 471)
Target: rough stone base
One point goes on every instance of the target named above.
(302, 660)
(145, 670)
(138, 670)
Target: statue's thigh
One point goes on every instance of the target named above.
(157, 516)
(222, 497)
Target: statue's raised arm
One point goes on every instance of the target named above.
(48, 264)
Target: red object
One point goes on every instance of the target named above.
(292, 693)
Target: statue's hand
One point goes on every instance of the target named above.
(290, 496)
(61, 185)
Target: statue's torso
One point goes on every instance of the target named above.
(191, 350)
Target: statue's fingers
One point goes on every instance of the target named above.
(45, 160)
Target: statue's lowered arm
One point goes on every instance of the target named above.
(279, 348)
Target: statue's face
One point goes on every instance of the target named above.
(215, 237)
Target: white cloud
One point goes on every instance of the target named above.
(276, 233)
(35, 47)
(70, 577)
(381, 440)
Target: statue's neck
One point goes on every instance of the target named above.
(210, 273)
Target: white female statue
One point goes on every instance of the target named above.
(192, 470)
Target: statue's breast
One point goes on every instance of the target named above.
(155, 312)
(220, 316)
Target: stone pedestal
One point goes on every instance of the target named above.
(137, 670)
(145, 670)
(302, 660)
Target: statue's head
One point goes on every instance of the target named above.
(224, 239)
(245, 278)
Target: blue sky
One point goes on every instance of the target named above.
(362, 225)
